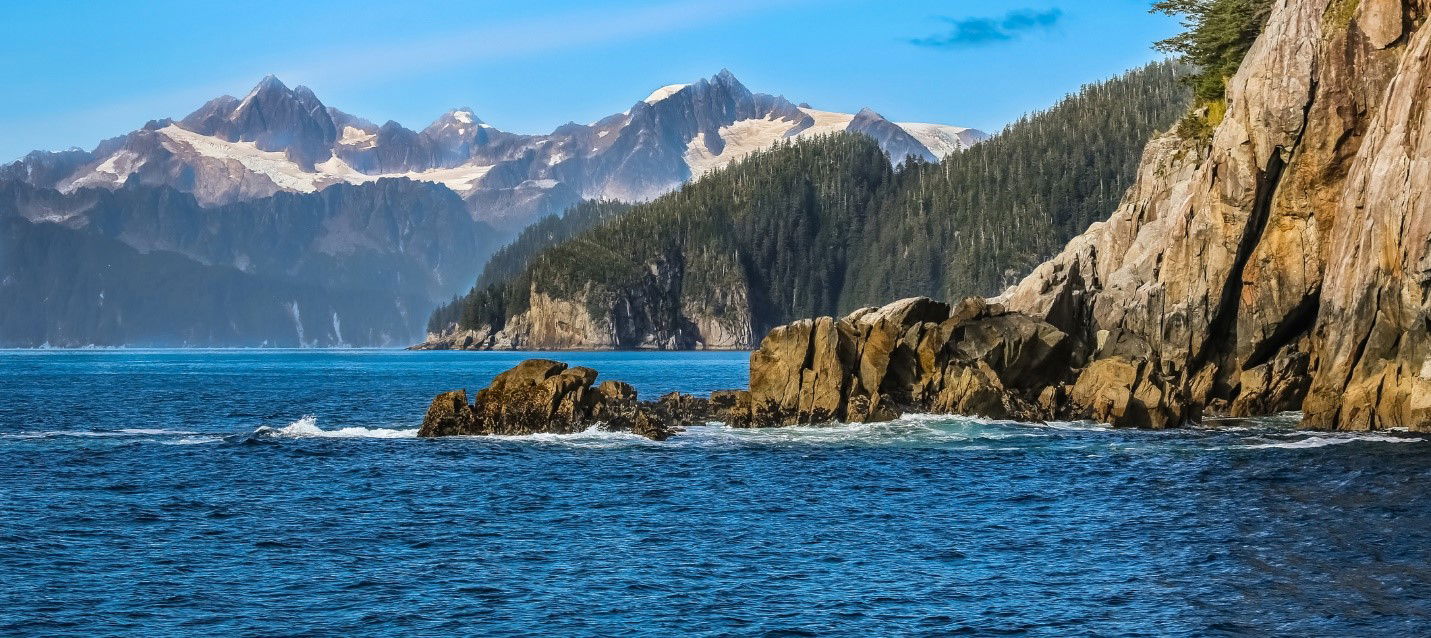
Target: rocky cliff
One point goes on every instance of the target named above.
(1283, 263)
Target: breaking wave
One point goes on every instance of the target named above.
(307, 427)
(1325, 440)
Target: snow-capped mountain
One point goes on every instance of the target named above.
(276, 139)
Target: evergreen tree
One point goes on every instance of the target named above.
(1218, 35)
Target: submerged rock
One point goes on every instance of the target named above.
(540, 396)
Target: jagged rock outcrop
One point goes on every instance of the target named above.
(1282, 264)
(912, 355)
(540, 396)
(1288, 254)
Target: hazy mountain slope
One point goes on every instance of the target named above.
(380, 255)
(65, 287)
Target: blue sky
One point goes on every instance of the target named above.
(77, 72)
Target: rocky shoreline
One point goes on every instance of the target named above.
(1281, 262)
(914, 355)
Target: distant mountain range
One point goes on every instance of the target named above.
(276, 139)
(275, 220)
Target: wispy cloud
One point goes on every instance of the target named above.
(975, 32)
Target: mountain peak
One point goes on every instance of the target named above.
(272, 116)
(269, 83)
(464, 115)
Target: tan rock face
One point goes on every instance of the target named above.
(914, 354)
(1381, 21)
(1302, 212)
(1371, 336)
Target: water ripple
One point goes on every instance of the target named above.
(260, 493)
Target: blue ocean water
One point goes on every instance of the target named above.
(283, 493)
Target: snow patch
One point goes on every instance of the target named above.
(664, 92)
(826, 122)
(289, 176)
(747, 136)
(941, 139)
(113, 171)
(462, 179)
(274, 165)
(358, 138)
(741, 139)
(462, 116)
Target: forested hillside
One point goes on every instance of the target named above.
(977, 222)
(821, 226)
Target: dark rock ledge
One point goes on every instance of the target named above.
(542, 396)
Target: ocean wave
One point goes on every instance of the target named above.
(909, 430)
(125, 432)
(195, 440)
(1325, 440)
(307, 427)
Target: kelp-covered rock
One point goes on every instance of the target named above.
(540, 396)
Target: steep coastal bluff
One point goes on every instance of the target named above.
(1278, 260)
(1283, 263)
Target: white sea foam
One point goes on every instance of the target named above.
(592, 437)
(194, 440)
(307, 426)
(909, 430)
(1323, 441)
